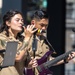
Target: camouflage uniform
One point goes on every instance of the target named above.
(42, 48)
(17, 69)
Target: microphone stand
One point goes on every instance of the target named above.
(34, 47)
(3, 50)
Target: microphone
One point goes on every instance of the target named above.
(39, 31)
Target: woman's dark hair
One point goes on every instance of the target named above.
(40, 14)
(7, 17)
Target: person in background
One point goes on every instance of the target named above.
(11, 30)
(73, 60)
(39, 45)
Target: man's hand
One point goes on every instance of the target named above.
(71, 56)
(33, 63)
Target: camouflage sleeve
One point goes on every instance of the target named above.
(2, 47)
(2, 42)
(23, 47)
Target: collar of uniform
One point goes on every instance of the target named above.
(11, 37)
(40, 39)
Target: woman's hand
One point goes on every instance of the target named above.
(29, 30)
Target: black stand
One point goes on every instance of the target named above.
(3, 50)
(34, 47)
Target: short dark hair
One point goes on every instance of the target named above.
(40, 14)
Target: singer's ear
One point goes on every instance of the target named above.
(32, 22)
(7, 23)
